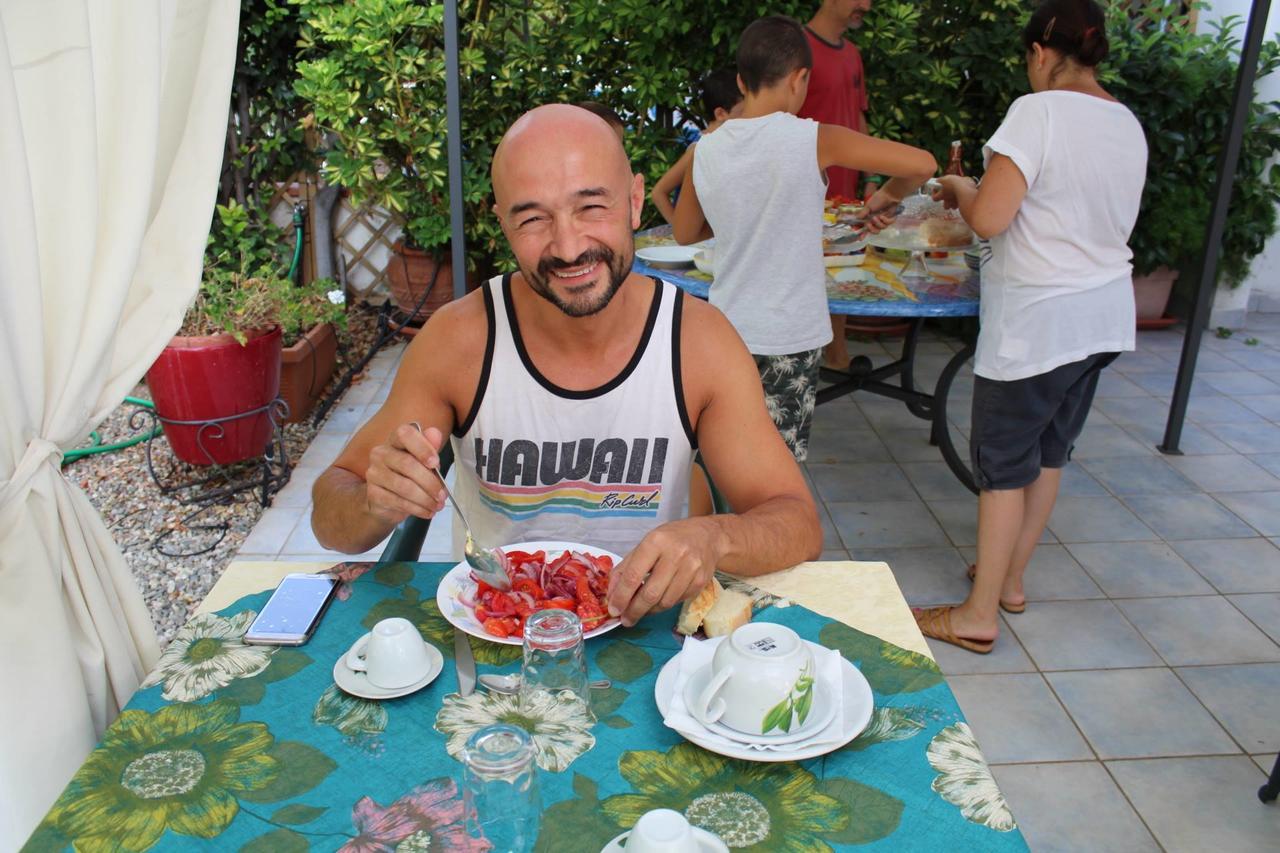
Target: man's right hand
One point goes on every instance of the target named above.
(400, 482)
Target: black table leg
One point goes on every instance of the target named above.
(942, 426)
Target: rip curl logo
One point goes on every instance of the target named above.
(588, 477)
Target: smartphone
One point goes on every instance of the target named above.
(293, 611)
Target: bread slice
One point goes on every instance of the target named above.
(732, 610)
(695, 609)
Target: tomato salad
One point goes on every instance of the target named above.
(574, 581)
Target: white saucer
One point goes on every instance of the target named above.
(358, 684)
(857, 708)
(823, 698)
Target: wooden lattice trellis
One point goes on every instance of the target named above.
(365, 236)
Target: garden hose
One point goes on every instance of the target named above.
(295, 269)
(98, 447)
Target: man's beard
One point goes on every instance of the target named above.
(540, 280)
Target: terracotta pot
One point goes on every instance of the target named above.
(409, 274)
(1151, 292)
(305, 369)
(208, 378)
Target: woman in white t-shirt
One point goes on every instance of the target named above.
(1059, 197)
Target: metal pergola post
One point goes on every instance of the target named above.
(453, 119)
(1227, 161)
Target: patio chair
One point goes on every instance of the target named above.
(405, 544)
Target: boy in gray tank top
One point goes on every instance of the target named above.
(758, 185)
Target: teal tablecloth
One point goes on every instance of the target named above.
(241, 747)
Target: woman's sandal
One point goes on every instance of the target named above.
(936, 622)
(1007, 608)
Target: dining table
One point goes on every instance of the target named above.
(231, 746)
(870, 283)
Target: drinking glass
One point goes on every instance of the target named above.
(555, 658)
(500, 787)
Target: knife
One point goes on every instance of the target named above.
(465, 663)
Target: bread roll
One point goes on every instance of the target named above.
(732, 610)
(695, 609)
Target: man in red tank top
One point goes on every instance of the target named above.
(837, 95)
(837, 89)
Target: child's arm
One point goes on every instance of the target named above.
(690, 224)
(909, 166)
(668, 183)
(989, 209)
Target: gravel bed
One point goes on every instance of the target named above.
(136, 511)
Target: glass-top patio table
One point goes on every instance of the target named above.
(235, 747)
(874, 288)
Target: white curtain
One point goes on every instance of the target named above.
(112, 122)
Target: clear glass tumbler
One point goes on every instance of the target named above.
(555, 658)
(500, 787)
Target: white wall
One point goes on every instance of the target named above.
(1262, 287)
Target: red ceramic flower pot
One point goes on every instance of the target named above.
(201, 379)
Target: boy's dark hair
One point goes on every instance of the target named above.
(720, 91)
(601, 110)
(770, 49)
(1075, 28)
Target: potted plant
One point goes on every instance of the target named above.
(214, 383)
(309, 322)
(383, 113)
(1166, 239)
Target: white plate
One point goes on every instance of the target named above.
(814, 724)
(858, 704)
(667, 256)
(358, 684)
(457, 581)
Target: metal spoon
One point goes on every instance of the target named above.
(484, 565)
(511, 683)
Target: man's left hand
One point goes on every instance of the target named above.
(671, 563)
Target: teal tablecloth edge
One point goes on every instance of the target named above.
(316, 769)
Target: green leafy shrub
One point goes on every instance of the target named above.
(1180, 85)
(244, 287)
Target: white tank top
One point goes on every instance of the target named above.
(761, 190)
(600, 467)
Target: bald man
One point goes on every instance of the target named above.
(575, 393)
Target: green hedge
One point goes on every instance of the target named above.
(937, 70)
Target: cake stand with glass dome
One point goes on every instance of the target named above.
(913, 239)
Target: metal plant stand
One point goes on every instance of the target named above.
(263, 475)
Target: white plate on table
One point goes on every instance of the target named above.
(357, 683)
(858, 705)
(457, 584)
(667, 256)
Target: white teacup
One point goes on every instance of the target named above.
(392, 655)
(762, 678)
(667, 831)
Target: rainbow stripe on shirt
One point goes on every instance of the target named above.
(573, 498)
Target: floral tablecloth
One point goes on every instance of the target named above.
(241, 747)
(872, 288)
